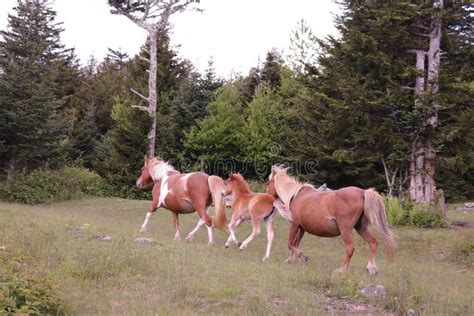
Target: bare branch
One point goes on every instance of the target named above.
(144, 59)
(141, 108)
(139, 94)
(407, 88)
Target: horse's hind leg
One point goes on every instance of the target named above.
(255, 232)
(270, 234)
(346, 234)
(193, 232)
(177, 236)
(370, 239)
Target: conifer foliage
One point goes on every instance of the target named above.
(32, 126)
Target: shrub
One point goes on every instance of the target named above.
(42, 186)
(26, 291)
(403, 212)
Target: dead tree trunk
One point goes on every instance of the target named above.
(423, 154)
(152, 16)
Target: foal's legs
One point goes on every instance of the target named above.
(269, 222)
(177, 236)
(292, 241)
(151, 211)
(369, 238)
(296, 242)
(346, 234)
(235, 221)
(255, 231)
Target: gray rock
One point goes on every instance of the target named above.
(374, 290)
(412, 312)
(106, 239)
(143, 240)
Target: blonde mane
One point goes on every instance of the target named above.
(287, 186)
(159, 168)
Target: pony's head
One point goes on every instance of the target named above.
(236, 184)
(146, 177)
(276, 171)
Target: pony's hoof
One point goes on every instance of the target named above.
(177, 238)
(289, 260)
(143, 229)
(304, 258)
(265, 259)
(238, 243)
(241, 248)
(372, 272)
(209, 244)
(189, 238)
(340, 270)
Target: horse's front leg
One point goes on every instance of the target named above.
(292, 245)
(148, 216)
(299, 236)
(177, 236)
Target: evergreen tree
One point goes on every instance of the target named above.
(262, 134)
(214, 142)
(32, 127)
(271, 69)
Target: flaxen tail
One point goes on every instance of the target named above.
(284, 211)
(374, 209)
(216, 186)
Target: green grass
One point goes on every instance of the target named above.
(430, 273)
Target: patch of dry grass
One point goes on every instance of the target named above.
(121, 277)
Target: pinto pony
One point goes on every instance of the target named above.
(183, 194)
(248, 205)
(330, 214)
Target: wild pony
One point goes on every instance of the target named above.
(330, 214)
(248, 205)
(183, 194)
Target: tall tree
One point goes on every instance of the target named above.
(32, 127)
(153, 16)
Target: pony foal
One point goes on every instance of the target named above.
(248, 205)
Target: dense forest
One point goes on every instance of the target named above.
(355, 109)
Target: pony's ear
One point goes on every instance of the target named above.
(231, 175)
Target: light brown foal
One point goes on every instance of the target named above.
(248, 205)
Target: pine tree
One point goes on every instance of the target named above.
(32, 131)
(214, 142)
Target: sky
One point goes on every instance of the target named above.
(236, 34)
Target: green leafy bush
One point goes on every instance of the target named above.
(26, 290)
(42, 186)
(403, 212)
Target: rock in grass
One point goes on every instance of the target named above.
(106, 239)
(374, 290)
(142, 240)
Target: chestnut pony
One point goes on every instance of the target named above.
(183, 194)
(248, 205)
(330, 214)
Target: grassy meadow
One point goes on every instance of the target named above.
(433, 272)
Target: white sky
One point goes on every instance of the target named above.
(235, 33)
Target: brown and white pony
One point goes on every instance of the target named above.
(183, 194)
(248, 205)
(330, 214)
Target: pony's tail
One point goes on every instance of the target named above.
(216, 186)
(374, 209)
(284, 211)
